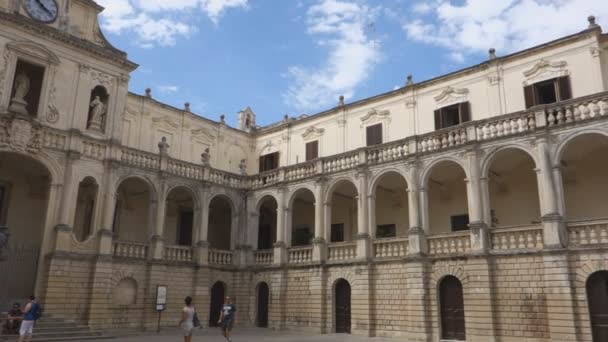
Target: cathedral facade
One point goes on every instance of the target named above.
(472, 206)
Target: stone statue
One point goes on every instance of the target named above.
(163, 146)
(243, 167)
(97, 114)
(22, 88)
(205, 156)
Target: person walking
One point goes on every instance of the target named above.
(187, 321)
(31, 314)
(227, 318)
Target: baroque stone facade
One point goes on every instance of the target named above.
(467, 207)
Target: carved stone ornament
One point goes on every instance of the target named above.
(410, 102)
(165, 122)
(544, 70)
(21, 133)
(163, 146)
(373, 116)
(451, 96)
(5, 59)
(202, 134)
(313, 132)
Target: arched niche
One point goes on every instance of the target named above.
(98, 109)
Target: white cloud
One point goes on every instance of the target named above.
(339, 26)
(506, 25)
(168, 89)
(160, 22)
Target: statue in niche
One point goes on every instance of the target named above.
(21, 88)
(243, 167)
(98, 109)
(205, 156)
(163, 146)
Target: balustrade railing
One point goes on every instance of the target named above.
(139, 159)
(263, 257)
(341, 162)
(130, 249)
(341, 251)
(300, 171)
(178, 253)
(528, 237)
(451, 243)
(388, 152)
(220, 257)
(443, 139)
(588, 233)
(183, 169)
(225, 178)
(53, 139)
(387, 248)
(265, 179)
(94, 150)
(576, 110)
(502, 127)
(299, 255)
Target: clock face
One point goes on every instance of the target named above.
(42, 10)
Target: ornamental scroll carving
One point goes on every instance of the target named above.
(544, 70)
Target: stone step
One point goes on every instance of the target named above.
(55, 329)
(61, 336)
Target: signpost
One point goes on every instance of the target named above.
(161, 302)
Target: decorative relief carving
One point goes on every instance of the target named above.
(202, 134)
(451, 96)
(101, 78)
(21, 133)
(595, 51)
(493, 79)
(5, 60)
(52, 114)
(410, 102)
(374, 116)
(544, 70)
(313, 133)
(165, 122)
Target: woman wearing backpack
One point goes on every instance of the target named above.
(31, 313)
(189, 320)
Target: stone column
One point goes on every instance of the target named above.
(424, 210)
(68, 194)
(559, 190)
(327, 220)
(319, 252)
(280, 250)
(363, 237)
(157, 239)
(371, 215)
(554, 231)
(202, 246)
(109, 201)
(417, 238)
(479, 231)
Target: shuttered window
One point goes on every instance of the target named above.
(374, 135)
(269, 162)
(312, 150)
(546, 92)
(452, 115)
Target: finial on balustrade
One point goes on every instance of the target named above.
(223, 119)
(149, 93)
(492, 54)
(410, 80)
(187, 106)
(592, 23)
(341, 101)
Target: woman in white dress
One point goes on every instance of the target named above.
(187, 321)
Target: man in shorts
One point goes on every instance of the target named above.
(227, 318)
(31, 313)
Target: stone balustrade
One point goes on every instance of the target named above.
(389, 248)
(512, 238)
(53, 139)
(341, 251)
(445, 138)
(576, 110)
(451, 243)
(587, 233)
(388, 152)
(340, 162)
(502, 127)
(220, 257)
(130, 249)
(263, 257)
(299, 255)
(265, 179)
(183, 169)
(178, 253)
(226, 179)
(139, 159)
(94, 150)
(300, 171)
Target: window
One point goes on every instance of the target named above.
(452, 115)
(312, 150)
(386, 231)
(374, 135)
(337, 232)
(269, 162)
(546, 92)
(27, 87)
(460, 222)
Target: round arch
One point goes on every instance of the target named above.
(223, 197)
(429, 169)
(342, 291)
(343, 205)
(263, 198)
(221, 219)
(568, 139)
(389, 205)
(373, 185)
(85, 213)
(300, 222)
(262, 304)
(298, 191)
(486, 163)
(135, 198)
(144, 179)
(183, 187)
(336, 183)
(217, 293)
(180, 207)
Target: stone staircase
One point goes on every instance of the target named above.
(55, 330)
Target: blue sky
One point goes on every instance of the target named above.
(298, 56)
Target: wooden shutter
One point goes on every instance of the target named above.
(465, 112)
(262, 160)
(565, 92)
(374, 135)
(438, 119)
(275, 160)
(529, 95)
(312, 150)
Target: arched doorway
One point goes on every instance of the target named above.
(220, 223)
(24, 197)
(217, 300)
(179, 217)
(451, 303)
(302, 212)
(267, 223)
(597, 298)
(342, 299)
(262, 310)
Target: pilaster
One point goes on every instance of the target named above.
(560, 298)
(361, 301)
(417, 274)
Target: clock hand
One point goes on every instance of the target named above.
(44, 7)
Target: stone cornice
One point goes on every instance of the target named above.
(108, 52)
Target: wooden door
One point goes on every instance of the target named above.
(263, 296)
(597, 297)
(452, 309)
(342, 295)
(217, 301)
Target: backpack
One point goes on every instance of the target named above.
(37, 311)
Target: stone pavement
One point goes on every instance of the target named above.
(247, 335)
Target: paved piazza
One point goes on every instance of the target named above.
(248, 335)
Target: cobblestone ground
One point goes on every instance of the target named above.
(246, 335)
